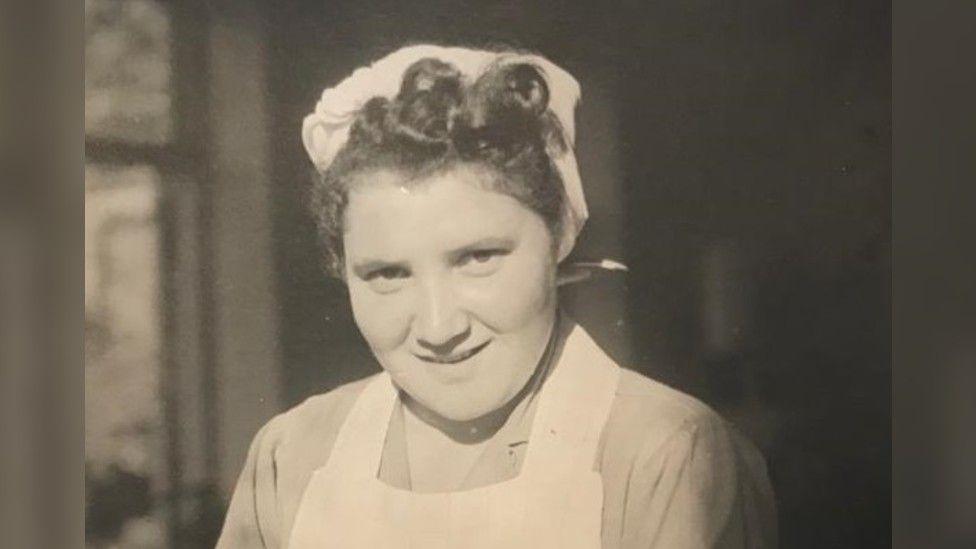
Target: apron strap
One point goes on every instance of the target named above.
(573, 408)
(358, 448)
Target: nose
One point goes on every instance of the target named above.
(440, 324)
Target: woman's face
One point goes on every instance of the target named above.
(452, 285)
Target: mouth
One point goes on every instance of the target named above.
(454, 358)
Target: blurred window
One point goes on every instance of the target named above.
(123, 410)
(127, 111)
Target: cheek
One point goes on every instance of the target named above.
(382, 319)
(517, 295)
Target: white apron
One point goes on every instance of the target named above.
(556, 501)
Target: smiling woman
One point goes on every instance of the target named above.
(448, 202)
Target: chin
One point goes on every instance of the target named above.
(463, 392)
(458, 403)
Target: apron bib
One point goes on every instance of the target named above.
(556, 501)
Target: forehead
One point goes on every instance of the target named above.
(390, 216)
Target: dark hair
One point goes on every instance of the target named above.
(500, 121)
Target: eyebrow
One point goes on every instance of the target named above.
(489, 243)
(367, 266)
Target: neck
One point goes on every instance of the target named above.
(473, 431)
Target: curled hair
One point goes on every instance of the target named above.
(500, 121)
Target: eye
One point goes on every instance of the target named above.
(387, 279)
(482, 262)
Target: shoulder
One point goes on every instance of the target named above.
(670, 461)
(643, 411)
(310, 425)
(650, 420)
(648, 406)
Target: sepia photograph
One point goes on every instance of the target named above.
(496, 274)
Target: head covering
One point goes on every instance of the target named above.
(326, 130)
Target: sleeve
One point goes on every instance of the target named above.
(250, 522)
(704, 487)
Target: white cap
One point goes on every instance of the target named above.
(326, 130)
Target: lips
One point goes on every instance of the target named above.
(455, 357)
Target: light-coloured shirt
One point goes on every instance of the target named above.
(675, 474)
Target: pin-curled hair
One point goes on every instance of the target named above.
(500, 121)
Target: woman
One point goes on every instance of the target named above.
(449, 197)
